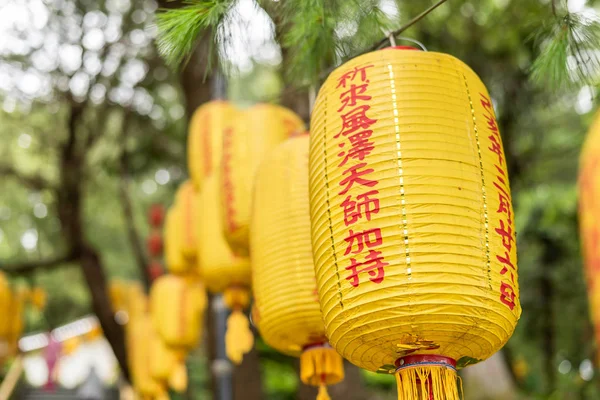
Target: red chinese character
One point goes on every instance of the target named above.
(507, 262)
(353, 210)
(363, 238)
(507, 295)
(506, 234)
(496, 147)
(492, 125)
(374, 264)
(352, 75)
(354, 176)
(355, 119)
(485, 102)
(504, 204)
(361, 147)
(353, 94)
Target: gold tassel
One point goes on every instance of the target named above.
(239, 339)
(178, 380)
(321, 365)
(323, 395)
(431, 382)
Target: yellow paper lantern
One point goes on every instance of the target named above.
(412, 223)
(178, 304)
(186, 199)
(5, 301)
(117, 292)
(205, 140)
(589, 218)
(254, 133)
(167, 365)
(283, 274)
(139, 337)
(174, 233)
(223, 271)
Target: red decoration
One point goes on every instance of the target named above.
(155, 244)
(156, 215)
(155, 270)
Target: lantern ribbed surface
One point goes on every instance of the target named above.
(205, 139)
(283, 274)
(187, 202)
(589, 218)
(173, 241)
(220, 268)
(177, 305)
(253, 134)
(412, 223)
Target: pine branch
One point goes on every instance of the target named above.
(569, 53)
(179, 28)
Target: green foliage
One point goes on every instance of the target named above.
(568, 56)
(179, 28)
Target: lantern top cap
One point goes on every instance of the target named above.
(401, 48)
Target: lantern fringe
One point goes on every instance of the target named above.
(239, 339)
(323, 395)
(415, 383)
(178, 380)
(321, 366)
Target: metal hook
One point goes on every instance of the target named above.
(421, 45)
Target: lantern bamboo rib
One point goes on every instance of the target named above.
(433, 165)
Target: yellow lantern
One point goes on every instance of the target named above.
(174, 238)
(117, 292)
(139, 336)
(167, 365)
(223, 271)
(5, 301)
(254, 133)
(178, 304)
(412, 223)
(186, 199)
(283, 274)
(589, 217)
(16, 323)
(205, 140)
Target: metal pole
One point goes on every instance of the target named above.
(221, 366)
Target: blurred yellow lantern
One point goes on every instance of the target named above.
(205, 140)
(16, 322)
(283, 274)
(139, 336)
(253, 134)
(117, 292)
(589, 219)
(178, 304)
(412, 223)
(167, 365)
(38, 298)
(223, 271)
(137, 301)
(6, 296)
(173, 238)
(186, 199)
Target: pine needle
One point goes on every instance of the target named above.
(569, 55)
(178, 29)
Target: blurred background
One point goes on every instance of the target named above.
(93, 128)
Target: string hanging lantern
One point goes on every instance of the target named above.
(205, 139)
(589, 217)
(224, 272)
(283, 275)
(251, 136)
(412, 223)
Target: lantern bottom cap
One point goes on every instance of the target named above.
(321, 365)
(427, 377)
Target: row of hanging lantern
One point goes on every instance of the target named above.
(388, 240)
(13, 301)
